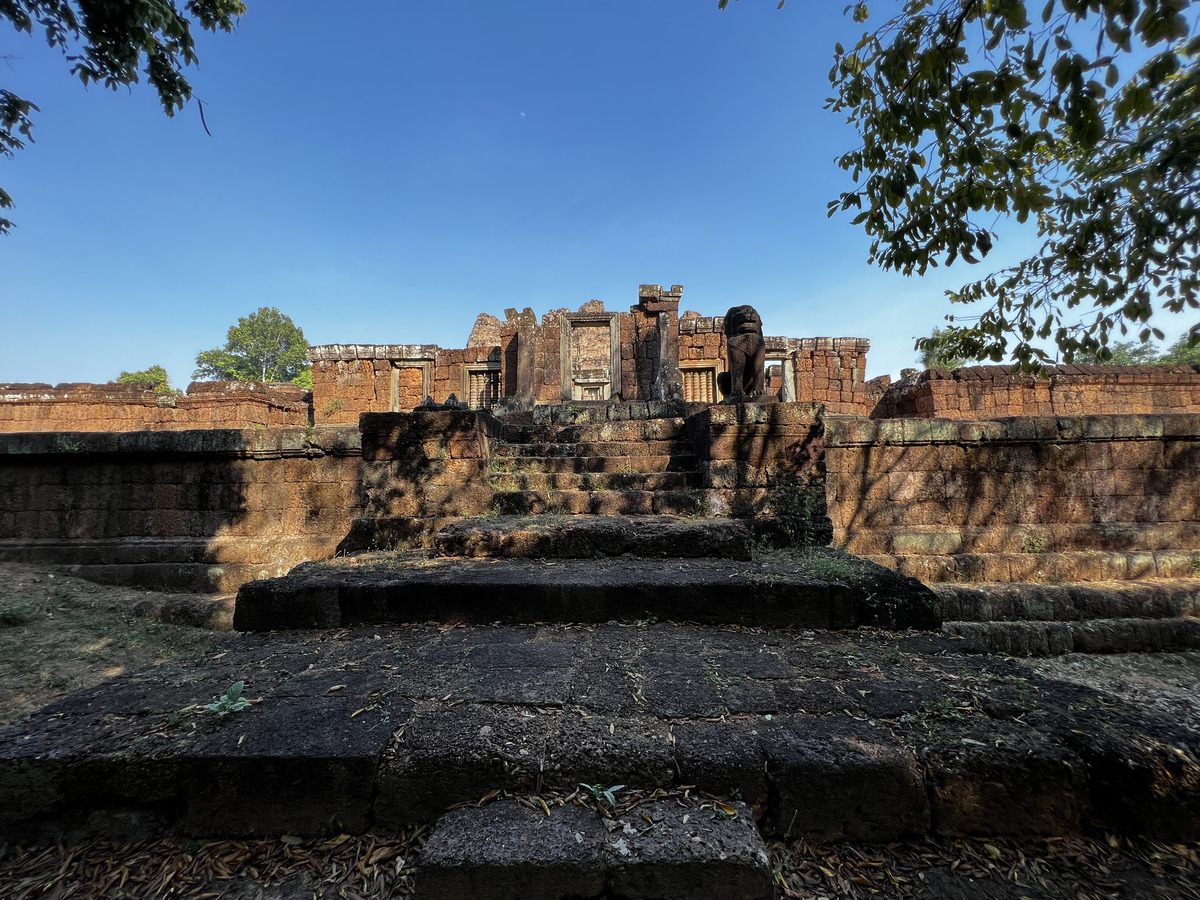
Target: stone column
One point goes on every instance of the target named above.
(652, 299)
(526, 357)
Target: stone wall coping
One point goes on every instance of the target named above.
(722, 415)
(25, 393)
(984, 373)
(330, 352)
(860, 431)
(276, 390)
(1053, 375)
(138, 391)
(259, 443)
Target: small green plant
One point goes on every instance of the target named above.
(945, 709)
(645, 623)
(712, 671)
(800, 509)
(230, 702)
(333, 406)
(1034, 543)
(602, 794)
(735, 794)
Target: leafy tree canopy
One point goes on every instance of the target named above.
(1131, 353)
(263, 346)
(114, 43)
(935, 355)
(155, 376)
(1182, 353)
(1082, 115)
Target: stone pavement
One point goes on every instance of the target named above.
(867, 736)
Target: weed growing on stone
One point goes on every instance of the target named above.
(799, 508)
(944, 710)
(230, 702)
(825, 565)
(1034, 543)
(602, 794)
(712, 671)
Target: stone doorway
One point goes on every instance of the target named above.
(591, 356)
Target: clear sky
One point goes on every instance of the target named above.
(383, 171)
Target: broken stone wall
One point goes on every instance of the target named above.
(1025, 499)
(202, 510)
(349, 379)
(134, 407)
(832, 372)
(986, 392)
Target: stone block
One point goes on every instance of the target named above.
(890, 431)
(930, 431)
(1028, 785)
(843, 780)
(687, 854)
(841, 431)
(926, 542)
(506, 850)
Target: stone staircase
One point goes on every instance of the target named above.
(643, 466)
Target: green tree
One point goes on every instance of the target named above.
(1086, 121)
(114, 43)
(1181, 353)
(156, 376)
(1129, 353)
(933, 353)
(263, 346)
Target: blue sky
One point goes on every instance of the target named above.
(385, 174)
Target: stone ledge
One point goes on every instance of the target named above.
(860, 431)
(252, 443)
(1050, 568)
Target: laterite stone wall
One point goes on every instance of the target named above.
(988, 392)
(188, 509)
(134, 407)
(1019, 499)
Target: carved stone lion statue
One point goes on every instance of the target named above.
(745, 353)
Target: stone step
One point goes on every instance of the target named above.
(585, 537)
(594, 412)
(866, 736)
(1093, 636)
(641, 430)
(629, 449)
(600, 503)
(414, 588)
(1158, 599)
(659, 851)
(628, 465)
(598, 481)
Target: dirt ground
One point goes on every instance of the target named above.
(59, 633)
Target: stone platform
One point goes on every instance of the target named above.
(871, 736)
(418, 586)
